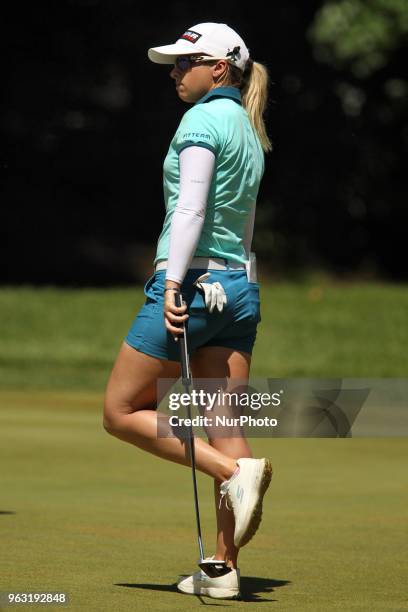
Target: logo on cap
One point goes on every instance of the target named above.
(234, 54)
(191, 36)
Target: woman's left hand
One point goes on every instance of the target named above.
(174, 315)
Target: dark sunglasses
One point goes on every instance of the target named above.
(184, 63)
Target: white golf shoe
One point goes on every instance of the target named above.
(223, 587)
(244, 491)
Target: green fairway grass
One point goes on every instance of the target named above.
(68, 339)
(113, 526)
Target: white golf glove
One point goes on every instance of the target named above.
(214, 293)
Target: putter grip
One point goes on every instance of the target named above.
(178, 298)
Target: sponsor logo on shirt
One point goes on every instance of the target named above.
(191, 36)
(195, 135)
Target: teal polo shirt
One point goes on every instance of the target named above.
(219, 122)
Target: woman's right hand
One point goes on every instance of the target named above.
(174, 315)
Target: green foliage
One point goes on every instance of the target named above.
(359, 32)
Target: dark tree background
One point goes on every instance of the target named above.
(87, 119)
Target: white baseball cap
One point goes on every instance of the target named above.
(215, 39)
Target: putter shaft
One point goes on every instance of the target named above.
(213, 568)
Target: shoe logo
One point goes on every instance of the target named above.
(240, 493)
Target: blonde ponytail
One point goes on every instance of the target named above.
(254, 92)
(253, 83)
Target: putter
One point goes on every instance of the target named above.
(212, 568)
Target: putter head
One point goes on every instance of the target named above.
(213, 568)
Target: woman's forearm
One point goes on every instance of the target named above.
(196, 171)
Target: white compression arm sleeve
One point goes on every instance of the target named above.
(196, 171)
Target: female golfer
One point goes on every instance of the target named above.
(212, 173)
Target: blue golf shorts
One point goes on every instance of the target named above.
(235, 327)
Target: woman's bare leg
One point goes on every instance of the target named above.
(130, 413)
(220, 362)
